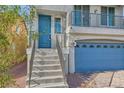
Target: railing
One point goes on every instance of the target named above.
(61, 56)
(85, 19)
(31, 62)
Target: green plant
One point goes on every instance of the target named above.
(8, 18)
(35, 36)
(5, 64)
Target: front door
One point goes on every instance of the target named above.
(44, 31)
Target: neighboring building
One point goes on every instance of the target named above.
(92, 36)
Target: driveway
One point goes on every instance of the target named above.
(113, 79)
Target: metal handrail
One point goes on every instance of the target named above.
(31, 62)
(61, 57)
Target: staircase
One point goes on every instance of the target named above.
(47, 71)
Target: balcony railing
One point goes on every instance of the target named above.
(85, 19)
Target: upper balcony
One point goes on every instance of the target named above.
(84, 19)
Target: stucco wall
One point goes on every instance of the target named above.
(69, 8)
(62, 8)
(64, 12)
(79, 33)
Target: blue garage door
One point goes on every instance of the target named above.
(98, 57)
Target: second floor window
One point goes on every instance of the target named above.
(81, 15)
(108, 16)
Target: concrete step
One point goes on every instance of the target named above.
(46, 49)
(39, 57)
(45, 59)
(47, 56)
(50, 85)
(45, 62)
(45, 73)
(46, 52)
(46, 67)
(45, 80)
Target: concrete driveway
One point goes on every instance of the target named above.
(113, 79)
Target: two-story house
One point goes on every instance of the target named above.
(91, 36)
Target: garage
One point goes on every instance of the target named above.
(98, 56)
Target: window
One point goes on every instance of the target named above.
(84, 46)
(77, 7)
(86, 10)
(107, 16)
(103, 15)
(112, 46)
(91, 46)
(98, 46)
(118, 46)
(77, 45)
(58, 25)
(81, 15)
(77, 15)
(105, 46)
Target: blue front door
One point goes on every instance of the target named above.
(99, 57)
(44, 31)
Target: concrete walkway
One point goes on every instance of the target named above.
(118, 80)
(113, 79)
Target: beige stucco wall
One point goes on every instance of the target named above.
(62, 8)
(69, 8)
(64, 11)
(79, 33)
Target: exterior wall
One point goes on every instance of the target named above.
(82, 33)
(64, 11)
(69, 8)
(78, 33)
(62, 8)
